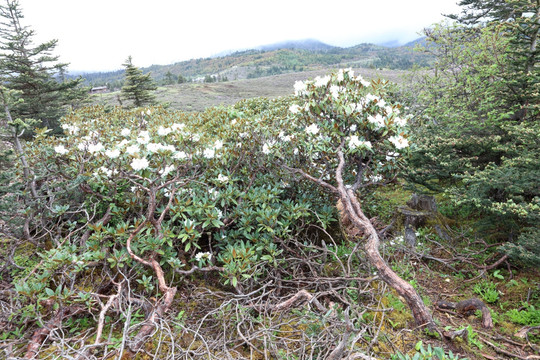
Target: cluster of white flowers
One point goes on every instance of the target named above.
(166, 170)
(60, 149)
(94, 148)
(108, 171)
(370, 97)
(284, 137)
(294, 108)
(377, 120)
(112, 154)
(203, 255)
(133, 149)
(180, 155)
(300, 88)
(213, 193)
(71, 129)
(361, 80)
(335, 90)
(392, 156)
(267, 147)
(399, 121)
(144, 137)
(222, 178)
(355, 142)
(209, 153)
(321, 81)
(163, 131)
(125, 132)
(139, 164)
(312, 129)
(399, 141)
(375, 178)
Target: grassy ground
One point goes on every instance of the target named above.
(199, 96)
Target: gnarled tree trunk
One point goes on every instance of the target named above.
(353, 211)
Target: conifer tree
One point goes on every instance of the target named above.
(478, 139)
(32, 71)
(137, 86)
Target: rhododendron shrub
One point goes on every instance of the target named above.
(343, 112)
(342, 135)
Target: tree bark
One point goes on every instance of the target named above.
(353, 211)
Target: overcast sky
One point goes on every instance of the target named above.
(101, 34)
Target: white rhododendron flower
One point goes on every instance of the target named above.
(132, 150)
(334, 90)
(153, 147)
(72, 129)
(266, 149)
(294, 108)
(122, 143)
(361, 80)
(209, 153)
(203, 255)
(168, 147)
(353, 128)
(195, 137)
(299, 88)
(218, 145)
(222, 178)
(180, 155)
(60, 149)
(375, 178)
(125, 132)
(107, 171)
(355, 142)
(93, 148)
(399, 142)
(312, 129)
(284, 137)
(400, 121)
(166, 170)
(371, 97)
(112, 154)
(377, 120)
(144, 138)
(321, 81)
(392, 156)
(139, 164)
(163, 131)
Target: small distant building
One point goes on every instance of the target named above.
(99, 89)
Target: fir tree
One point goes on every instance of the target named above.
(137, 86)
(478, 140)
(32, 71)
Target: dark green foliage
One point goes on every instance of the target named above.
(137, 86)
(33, 72)
(479, 114)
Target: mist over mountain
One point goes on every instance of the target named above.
(306, 44)
(273, 59)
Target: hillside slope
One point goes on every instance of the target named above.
(287, 57)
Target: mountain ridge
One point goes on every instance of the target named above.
(273, 59)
